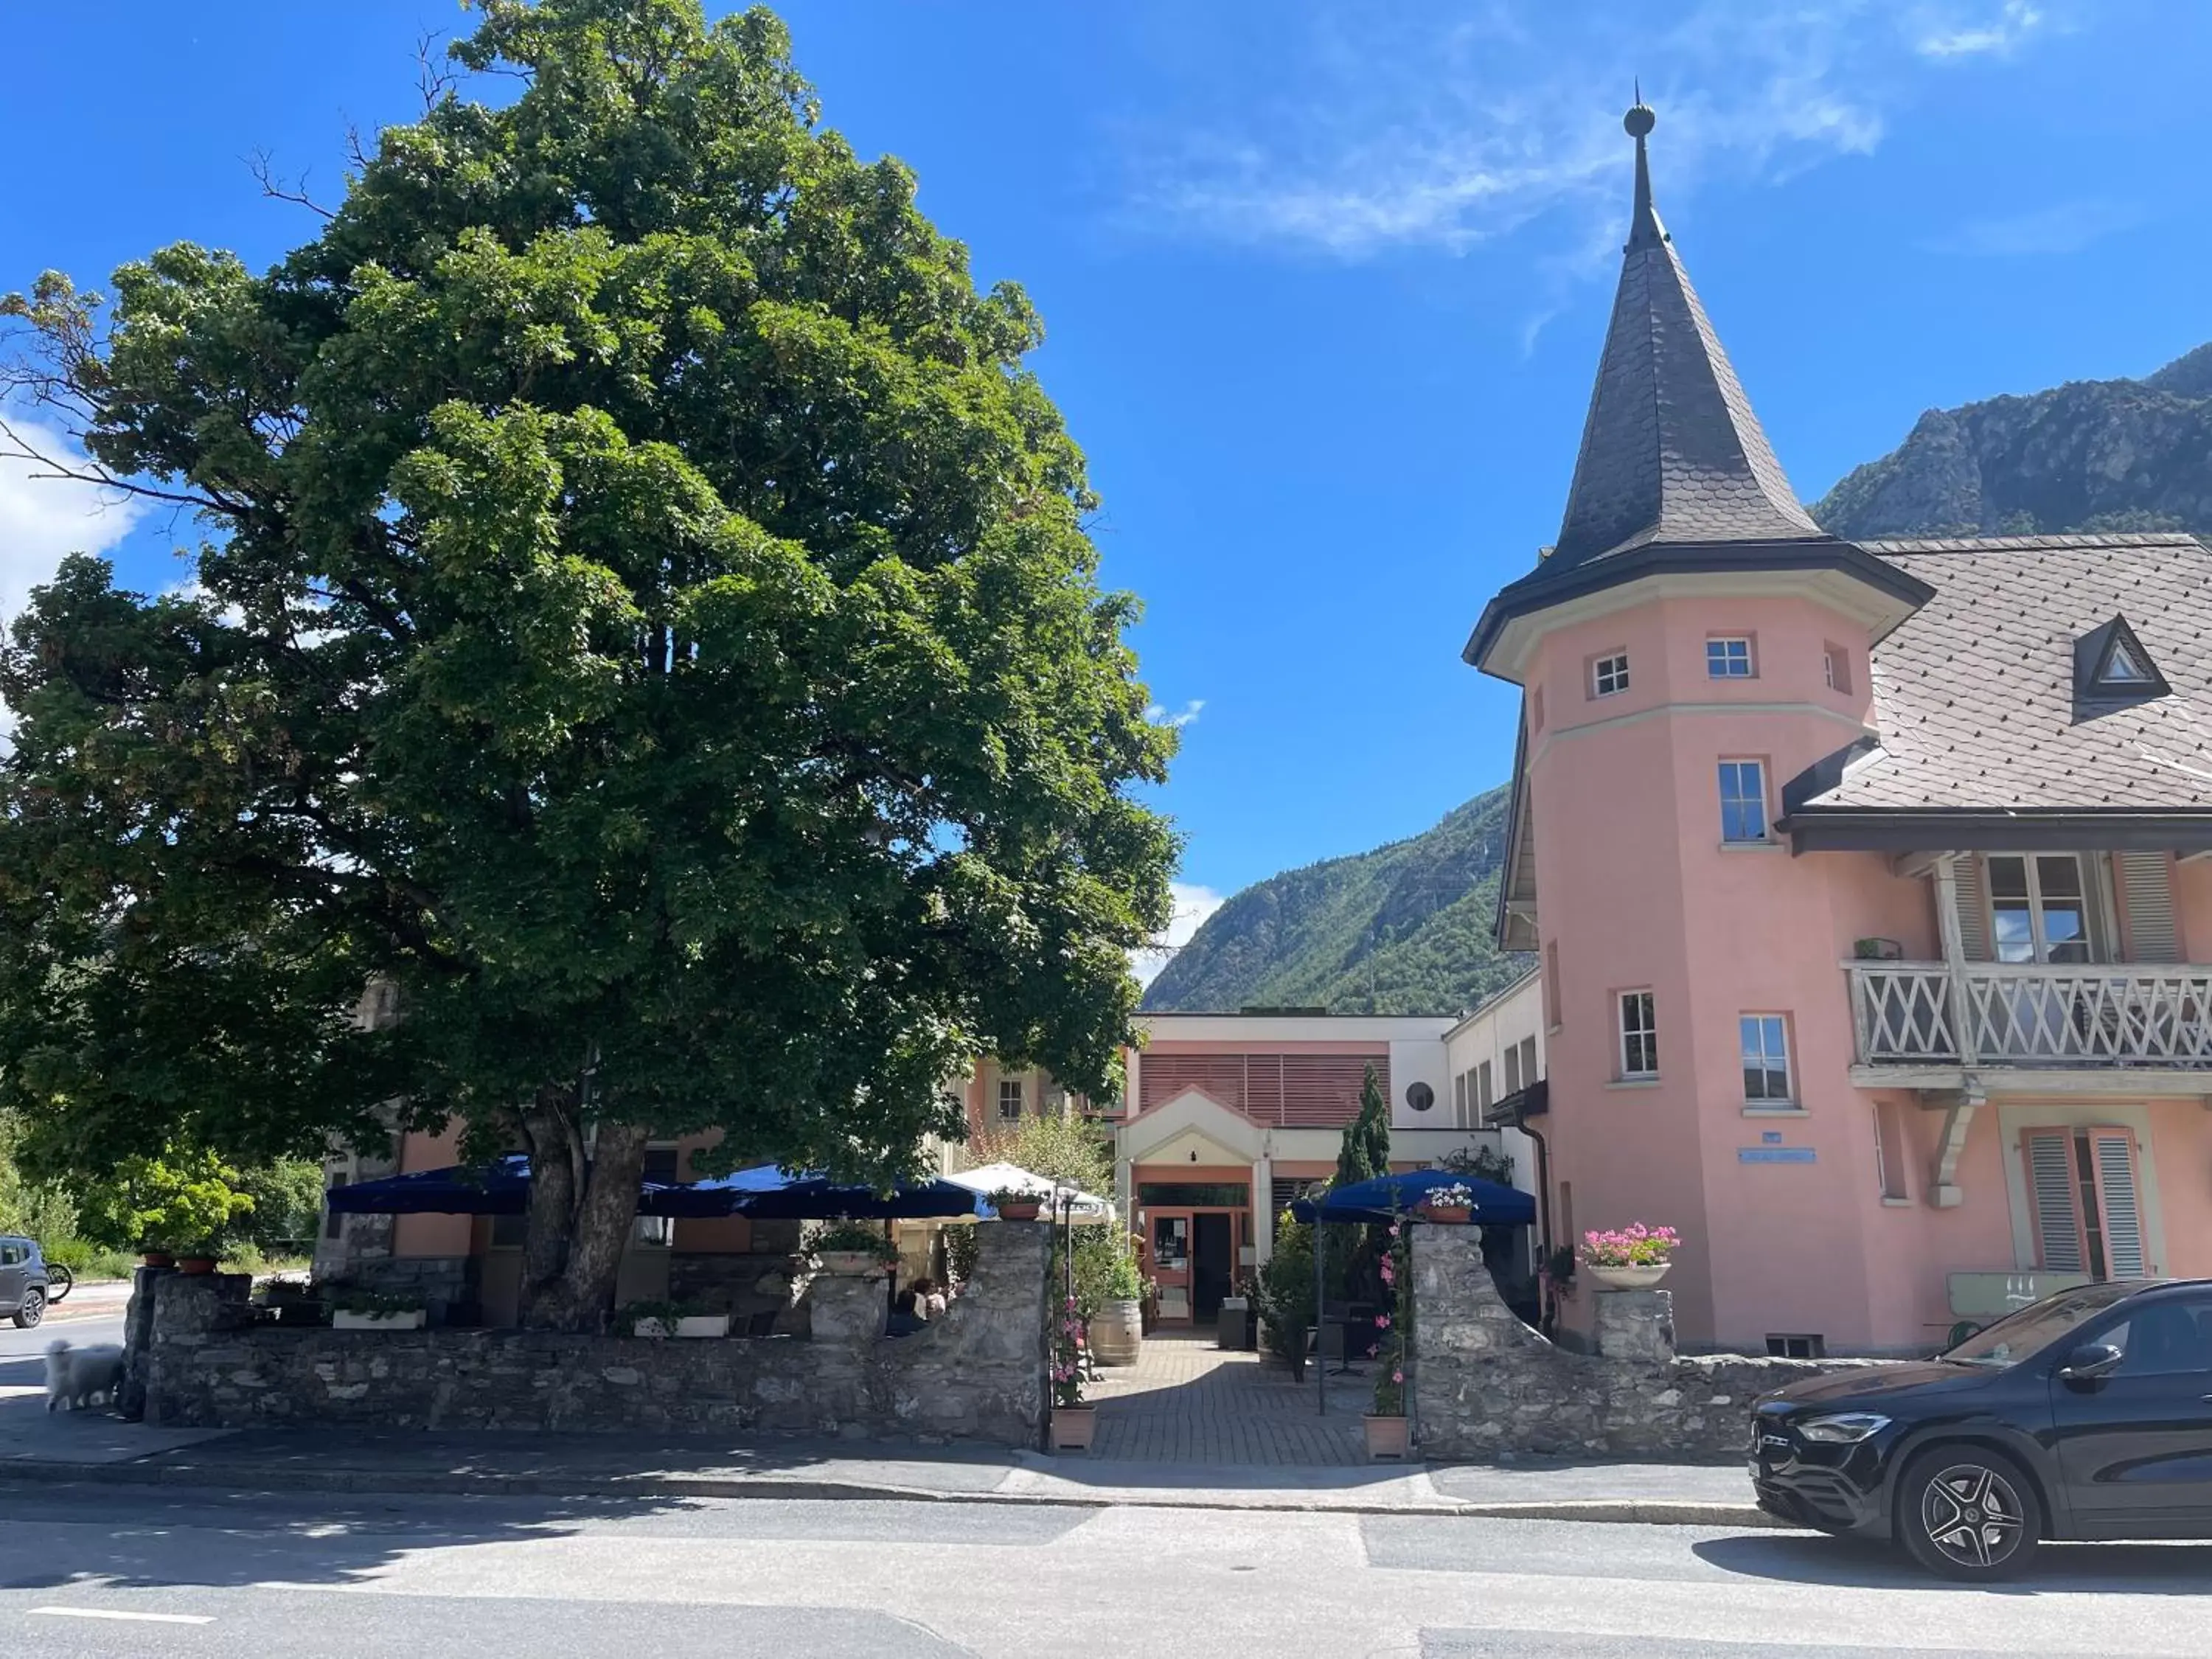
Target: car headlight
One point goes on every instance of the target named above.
(1844, 1428)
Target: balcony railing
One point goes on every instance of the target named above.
(2032, 1015)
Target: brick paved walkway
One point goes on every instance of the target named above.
(1185, 1400)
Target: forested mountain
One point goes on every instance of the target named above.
(1405, 929)
(2089, 455)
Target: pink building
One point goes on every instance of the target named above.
(1863, 879)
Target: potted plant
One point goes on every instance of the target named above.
(1633, 1259)
(1015, 1203)
(1072, 1421)
(672, 1319)
(852, 1251)
(1454, 1203)
(1117, 1330)
(290, 1302)
(1389, 1434)
(199, 1257)
(357, 1308)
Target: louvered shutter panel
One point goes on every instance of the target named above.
(1973, 908)
(2057, 1217)
(2112, 1151)
(2146, 894)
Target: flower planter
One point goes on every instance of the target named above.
(1072, 1427)
(1019, 1212)
(1452, 1214)
(1117, 1334)
(195, 1264)
(851, 1264)
(1627, 1279)
(410, 1320)
(157, 1259)
(1387, 1437)
(691, 1326)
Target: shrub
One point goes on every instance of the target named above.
(856, 1235)
(666, 1313)
(365, 1299)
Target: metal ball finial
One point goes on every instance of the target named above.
(1640, 118)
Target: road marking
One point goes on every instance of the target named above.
(134, 1618)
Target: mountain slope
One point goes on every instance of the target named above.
(1405, 929)
(2088, 456)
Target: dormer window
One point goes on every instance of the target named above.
(2110, 662)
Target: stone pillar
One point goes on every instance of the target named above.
(137, 1339)
(1263, 1211)
(849, 1313)
(190, 1309)
(1636, 1326)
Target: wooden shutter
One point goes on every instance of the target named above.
(2112, 1154)
(1973, 890)
(2147, 898)
(2060, 1245)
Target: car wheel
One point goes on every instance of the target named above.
(1968, 1512)
(33, 1310)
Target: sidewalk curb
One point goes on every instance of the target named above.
(231, 1476)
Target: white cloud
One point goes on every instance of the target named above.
(42, 519)
(1158, 715)
(1193, 905)
(2062, 228)
(1451, 125)
(1979, 32)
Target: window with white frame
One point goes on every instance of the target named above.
(1513, 1070)
(1743, 800)
(1609, 675)
(1459, 1098)
(2085, 1187)
(1484, 1090)
(1728, 658)
(1011, 1094)
(2039, 908)
(1765, 1058)
(1639, 1036)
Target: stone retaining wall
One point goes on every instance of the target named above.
(1484, 1383)
(976, 1374)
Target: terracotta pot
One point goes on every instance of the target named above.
(157, 1259)
(1387, 1437)
(195, 1264)
(1627, 1279)
(1018, 1209)
(1455, 1213)
(1072, 1427)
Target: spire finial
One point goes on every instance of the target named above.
(1645, 230)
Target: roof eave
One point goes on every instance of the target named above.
(1815, 828)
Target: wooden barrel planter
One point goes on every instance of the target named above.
(1117, 1332)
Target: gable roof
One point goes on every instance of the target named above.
(1671, 451)
(1975, 694)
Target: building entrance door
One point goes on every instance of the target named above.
(1171, 1252)
(1214, 1248)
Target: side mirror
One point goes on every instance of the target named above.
(2092, 1360)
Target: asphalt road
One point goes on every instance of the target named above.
(128, 1572)
(19, 1346)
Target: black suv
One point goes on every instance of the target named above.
(22, 1280)
(2086, 1415)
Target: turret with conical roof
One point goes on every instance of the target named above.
(1674, 472)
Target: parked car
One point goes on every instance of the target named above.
(22, 1280)
(2087, 1414)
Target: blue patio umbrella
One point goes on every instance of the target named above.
(499, 1188)
(768, 1194)
(1394, 1197)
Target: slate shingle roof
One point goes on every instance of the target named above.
(1671, 451)
(1974, 693)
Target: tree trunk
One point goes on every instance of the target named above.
(579, 1220)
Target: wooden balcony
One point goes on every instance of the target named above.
(2102, 1024)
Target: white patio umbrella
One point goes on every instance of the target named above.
(996, 1177)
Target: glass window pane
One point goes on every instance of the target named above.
(2059, 878)
(2016, 941)
(2008, 877)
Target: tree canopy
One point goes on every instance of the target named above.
(1365, 1152)
(645, 642)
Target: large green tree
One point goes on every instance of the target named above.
(645, 638)
(1365, 1151)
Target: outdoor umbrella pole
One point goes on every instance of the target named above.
(1320, 1359)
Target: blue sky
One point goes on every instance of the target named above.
(1325, 281)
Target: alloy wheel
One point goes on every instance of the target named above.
(31, 1310)
(1973, 1516)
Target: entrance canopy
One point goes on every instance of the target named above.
(1399, 1198)
(1053, 1194)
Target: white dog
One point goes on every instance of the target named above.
(74, 1375)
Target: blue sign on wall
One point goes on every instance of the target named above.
(1776, 1155)
(1770, 1137)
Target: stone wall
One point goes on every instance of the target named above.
(977, 1374)
(1484, 1383)
(441, 1281)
